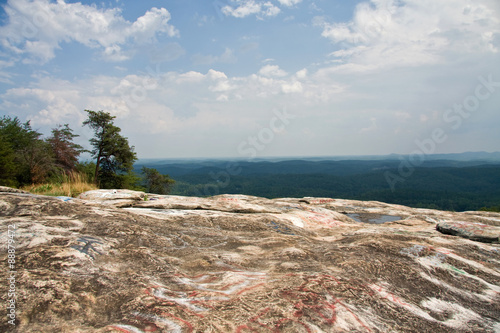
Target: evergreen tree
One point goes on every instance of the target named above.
(39, 158)
(114, 156)
(7, 164)
(66, 152)
(156, 182)
(33, 159)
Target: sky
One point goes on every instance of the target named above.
(259, 78)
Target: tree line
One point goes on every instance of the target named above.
(445, 188)
(26, 157)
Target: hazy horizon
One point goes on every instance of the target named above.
(475, 155)
(259, 78)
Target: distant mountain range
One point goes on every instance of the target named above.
(335, 165)
(466, 181)
(466, 156)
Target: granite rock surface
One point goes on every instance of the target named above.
(125, 261)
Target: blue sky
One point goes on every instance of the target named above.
(258, 78)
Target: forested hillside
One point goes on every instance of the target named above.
(442, 184)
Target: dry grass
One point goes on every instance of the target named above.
(71, 185)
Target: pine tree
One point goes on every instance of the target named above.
(66, 152)
(114, 156)
(7, 163)
(33, 158)
(156, 182)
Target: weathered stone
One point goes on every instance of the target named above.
(470, 230)
(11, 190)
(115, 198)
(240, 264)
(223, 203)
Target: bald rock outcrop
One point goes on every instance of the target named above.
(125, 261)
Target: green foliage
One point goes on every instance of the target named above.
(156, 182)
(129, 180)
(25, 158)
(87, 169)
(491, 209)
(43, 188)
(28, 158)
(114, 156)
(446, 188)
(18, 134)
(7, 163)
(39, 158)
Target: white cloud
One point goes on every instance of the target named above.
(289, 3)
(55, 106)
(190, 77)
(270, 10)
(272, 71)
(294, 87)
(153, 22)
(38, 28)
(222, 86)
(210, 113)
(245, 8)
(113, 53)
(260, 8)
(301, 74)
(367, 100)
(166, 106)
(392, 33)
(216, 75)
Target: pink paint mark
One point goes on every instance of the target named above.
(355, 317)
(176, 299)
(307, 302)
(256, 318)
(444, 251)
(240, 329)
(187, 324)
(152, 328)
(250, 288)
(331, 307)
(323, 219)
(387, 295)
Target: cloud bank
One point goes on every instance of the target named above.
(38, 28)
(394, 72)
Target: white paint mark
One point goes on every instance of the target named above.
(461, 316)
(382, 292)
(127, 328)
(488, 296)
(181, 299)
(173, 327)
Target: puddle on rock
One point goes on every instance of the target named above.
(373, 218)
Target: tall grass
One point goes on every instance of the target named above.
(70, 185)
